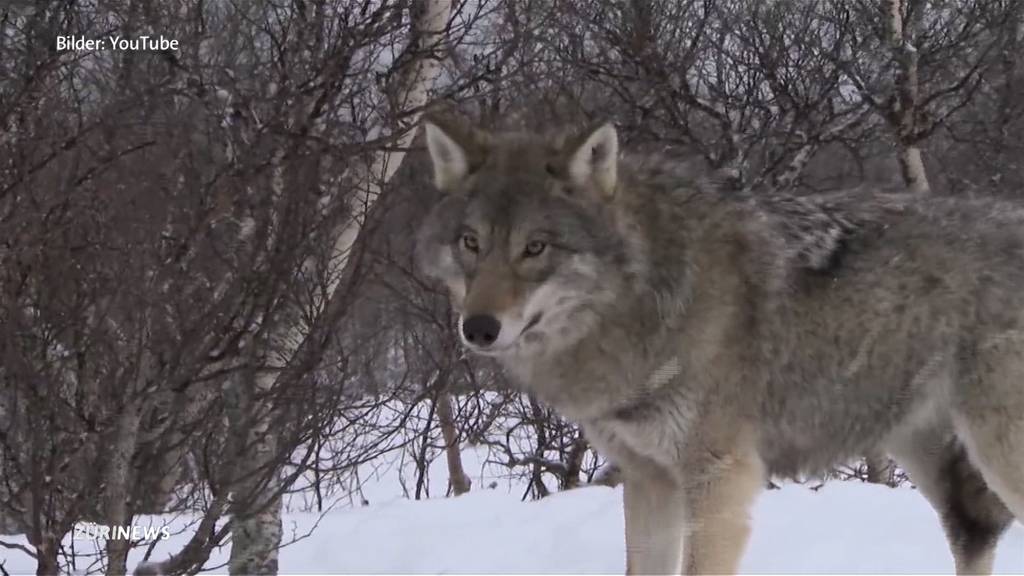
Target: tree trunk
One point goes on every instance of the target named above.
(192, 556)
(902, 113)
(912, 169)
(879, 468)
(537, 477)
(256, 536)
(575, 462)
(255, 506)
(46, 557)
(422, 465)
(119, 481)
(457, 478)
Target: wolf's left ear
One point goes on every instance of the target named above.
(596, 159)
(452, 150)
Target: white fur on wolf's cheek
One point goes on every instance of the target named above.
(558, 302)
(577, 282)
(449, 159)
(447, 258)
(450, 273)
(584, 265)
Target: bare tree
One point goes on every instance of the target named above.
(182, 323)
(751, 87)
(256, 537)
(917, 63)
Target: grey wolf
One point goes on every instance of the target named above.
(707, 341)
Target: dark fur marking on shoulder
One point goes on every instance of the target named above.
(816, 235)
(834, 260)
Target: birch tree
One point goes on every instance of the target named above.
(981, 151)
(917, 63)
(256, 526)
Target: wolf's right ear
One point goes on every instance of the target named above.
(595, 157)
(452, 152)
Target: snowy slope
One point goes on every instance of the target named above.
(846, 527)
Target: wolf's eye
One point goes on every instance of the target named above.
(469, 242)
(534, 248)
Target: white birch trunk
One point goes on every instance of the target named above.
(256, 535)
(415, 88)
(903, 110)
(912, 169)
(459, 481)
(119, 480)
(803, 156)
(120, 477)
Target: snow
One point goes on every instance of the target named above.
(845, 527)
(842, 528)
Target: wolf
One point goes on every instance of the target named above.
(709, 340)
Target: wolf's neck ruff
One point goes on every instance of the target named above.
(651, 391)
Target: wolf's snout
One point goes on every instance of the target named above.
(481, 330)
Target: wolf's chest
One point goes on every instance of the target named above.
(658, 437)
(654, 424)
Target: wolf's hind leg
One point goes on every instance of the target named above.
(996, 446)
(973, 516)
(989, 418)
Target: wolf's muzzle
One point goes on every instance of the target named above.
(481, 330)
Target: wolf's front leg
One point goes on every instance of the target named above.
(655, 522)
(719, 495)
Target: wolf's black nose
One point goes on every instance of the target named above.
(481, 330)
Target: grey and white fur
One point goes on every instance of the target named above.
(707, 340)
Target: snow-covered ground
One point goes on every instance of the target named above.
(843, 528)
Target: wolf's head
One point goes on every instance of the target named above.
(524, 237)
